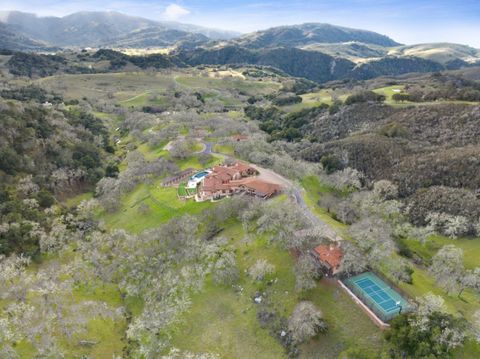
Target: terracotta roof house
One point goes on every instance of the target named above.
(257, 188)
(239, 138)
(330, 257)
(224, 181)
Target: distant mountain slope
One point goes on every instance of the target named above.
(214, 34)
(443, 53)
(13, 41)
(305, 34)
(91, 29)
(155, 37)
(352, 50)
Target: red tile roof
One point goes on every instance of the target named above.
(258, 185)
(214, 184)
(239, 137)
(330, 254)
(237, 177)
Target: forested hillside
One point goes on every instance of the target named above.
(311, 65)
(45, 155)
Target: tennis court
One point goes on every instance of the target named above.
(382, 299)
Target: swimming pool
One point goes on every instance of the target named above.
(197, 178)
(200, 175)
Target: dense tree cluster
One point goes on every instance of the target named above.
(364, 96)
(428, 333)
(44, 152)
(282, 126)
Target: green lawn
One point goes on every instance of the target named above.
(123, 85)
(184, 192)
(389, 91)
(193, 162)
(163, 205)
(144, 99)
(349, 326)
(313, 99)
(75, 201)
(152, 152)
(248, 86)
(198, 146)
(423, 283)
(225, 149)
(426, 250)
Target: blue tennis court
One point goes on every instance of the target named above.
(382, 299)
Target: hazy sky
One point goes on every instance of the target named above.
(406, 21)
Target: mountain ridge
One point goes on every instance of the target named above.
(103, 29)
(309, 33)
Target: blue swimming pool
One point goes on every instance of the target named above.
(200, 175)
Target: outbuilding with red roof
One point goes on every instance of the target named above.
(330, 257)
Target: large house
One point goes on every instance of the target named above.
(225, 181)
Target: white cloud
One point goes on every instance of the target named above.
(174, 12)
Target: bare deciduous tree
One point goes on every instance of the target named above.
(305, 322)
(306, 272)
(448, 269)
(260, 269)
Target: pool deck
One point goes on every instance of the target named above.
(381, 324)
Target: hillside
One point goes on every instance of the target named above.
(443, 53)
(312, 65)
(352, 50)
(13, 41)
(305, 34)
(109, 29)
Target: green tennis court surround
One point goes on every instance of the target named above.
(377, 295)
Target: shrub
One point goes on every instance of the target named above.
(331, 163)
(45, 199)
